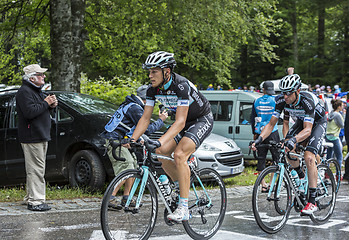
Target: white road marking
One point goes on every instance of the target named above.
(221, 235)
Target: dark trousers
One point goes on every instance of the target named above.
(346, 173)
(263, 151)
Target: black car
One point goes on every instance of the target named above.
(76, 152)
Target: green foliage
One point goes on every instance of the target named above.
(114, 90)
(23, 38)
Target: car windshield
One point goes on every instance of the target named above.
(86, 104)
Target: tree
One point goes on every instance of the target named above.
(67, 24)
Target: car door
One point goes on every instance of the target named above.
(14, 154)
(4, 109)
(243, 131)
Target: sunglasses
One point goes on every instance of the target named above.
(40, 74)
(287, 93)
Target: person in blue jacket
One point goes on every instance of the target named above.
(121, 126)
(262, 111)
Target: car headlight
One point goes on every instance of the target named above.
(208, 147)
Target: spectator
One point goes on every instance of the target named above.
(335, 123)
(210, 87)
(34, 124)
(219, 87)
(337, 89)
(262, 111)
(346, 133)
(121, 126)
(328, 89)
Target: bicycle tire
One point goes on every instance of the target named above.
(206, 219)
(324, 202)
(122, 224)
(337, 174)
(271, 214)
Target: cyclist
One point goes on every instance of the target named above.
(193, 122)
(309, 128)
(121, 126)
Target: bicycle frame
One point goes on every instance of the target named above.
(165, 197)
(293, 185)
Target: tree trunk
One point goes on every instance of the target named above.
(66, 18)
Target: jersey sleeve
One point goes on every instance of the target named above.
(182, 92)
(309, 108)
(279, 105)
(150, 99)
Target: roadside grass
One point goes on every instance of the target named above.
(55, 192)
(14, 194)
(246, 178)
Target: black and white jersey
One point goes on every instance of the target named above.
(179, 91)
(307, 109)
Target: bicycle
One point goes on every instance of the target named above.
(207, 200)
(272, 208)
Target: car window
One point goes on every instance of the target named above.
(245, 113)
(4, 104)
(86, 104)
(222, 110)
(63, 116)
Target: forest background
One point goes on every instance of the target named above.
(99, 45)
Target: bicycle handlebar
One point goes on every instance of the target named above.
(114, 146)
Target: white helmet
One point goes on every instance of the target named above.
(160, 59)
(290, 83)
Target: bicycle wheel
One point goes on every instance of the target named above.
(129, 224)
(271, 212)
(207, 204)
(336, 171)
(326, 195)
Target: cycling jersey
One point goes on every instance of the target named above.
(179, 91)
(307, 108)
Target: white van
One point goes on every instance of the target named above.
(231, 111)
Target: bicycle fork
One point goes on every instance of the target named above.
(273, 182)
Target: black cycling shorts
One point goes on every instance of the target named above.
(315, 139)
(197, 130)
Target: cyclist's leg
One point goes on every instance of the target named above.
(316, 137)
(181, 155)
(294, 130)
(168, 166)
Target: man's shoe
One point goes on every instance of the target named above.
(113, 203)
(309, 209)
(41, 207)
(179, 215)
(123, 203)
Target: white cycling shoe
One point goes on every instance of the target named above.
(179, 215)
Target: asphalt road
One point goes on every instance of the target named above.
(79, 219)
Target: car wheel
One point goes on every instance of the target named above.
(86, 170)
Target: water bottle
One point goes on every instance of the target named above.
(297, 180)
(295, 177)
(164, 180)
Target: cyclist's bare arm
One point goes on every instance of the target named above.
(177, 126)
(143, 122)
(267, 130)
(269, 127)
(285, 127)
(305, 133)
